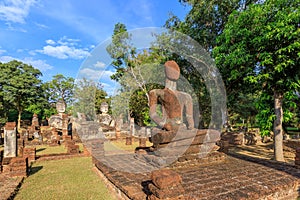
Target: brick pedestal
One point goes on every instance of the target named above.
(19, 167)
(21, 145)
(15, 166)
(118, 134)
(184, 143)
(73, 149)
(69, 143)
(129, 140)
(142, 142)
(165, 184)
(29, 153)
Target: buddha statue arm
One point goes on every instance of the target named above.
(153, 100)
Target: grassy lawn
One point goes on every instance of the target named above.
(63, 179)
(46, 149)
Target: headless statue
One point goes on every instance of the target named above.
(173, 102)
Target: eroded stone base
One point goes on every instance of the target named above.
(235, 178)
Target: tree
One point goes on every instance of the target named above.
(60, 88)
(19, 84)
(262, 43)
(42, 106)
(206, 19)
(100, 97)
(88, 97)
(133, 70)
(204, 23)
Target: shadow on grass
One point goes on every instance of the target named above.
(34, 170)
(41, 149)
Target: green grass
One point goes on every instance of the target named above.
(63, 179)
(46, 149)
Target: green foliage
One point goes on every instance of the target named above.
(42, 106)
(206, 19)
(120, 50)
(259, 48)
(101, 97)
(19, 86)
(60, 88)
(134, 69)
(88, 97)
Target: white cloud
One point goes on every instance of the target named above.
(42, 65)
(93, 74)
(64, 52)
(51, 42)
(5, 59)
(102, 76)
(100, 64)
(90, 74)
(68, 41)
(64, 48)
(15, 10)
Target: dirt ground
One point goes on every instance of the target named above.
(261, 150)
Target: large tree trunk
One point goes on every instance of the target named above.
(278, 133)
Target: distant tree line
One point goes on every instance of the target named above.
(22, 93)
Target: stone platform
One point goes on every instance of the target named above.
(9, 186)
(238, 177)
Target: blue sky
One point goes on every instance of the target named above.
(56, 36)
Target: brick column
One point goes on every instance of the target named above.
(29, 153)
(17, 167)
(21, 145)
(129, 140)
(73, 149)
(142, 142)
